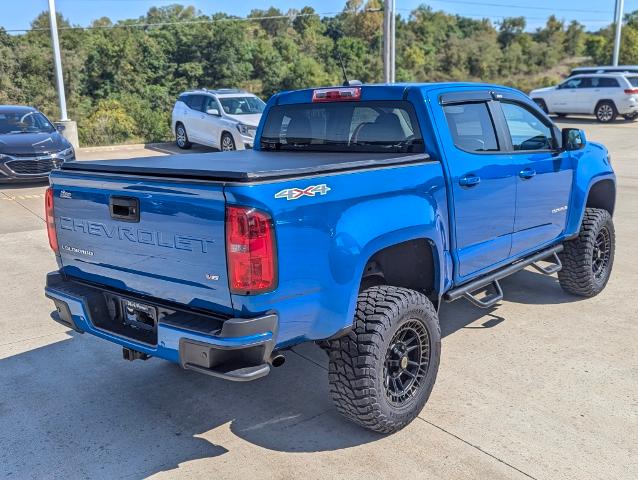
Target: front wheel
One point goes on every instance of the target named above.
(631, 117)
(227, 143)
(382, 373)
(606, 112)
(588, 259)
(181, 137)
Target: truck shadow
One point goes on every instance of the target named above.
(74, 406)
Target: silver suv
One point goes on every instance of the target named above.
(225, 119)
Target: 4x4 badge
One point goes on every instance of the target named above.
(295, 193)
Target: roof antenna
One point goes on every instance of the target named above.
(346, 82)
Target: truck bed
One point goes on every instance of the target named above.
(245, 165)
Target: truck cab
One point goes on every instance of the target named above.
(360, 210)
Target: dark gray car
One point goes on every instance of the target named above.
(30, 145)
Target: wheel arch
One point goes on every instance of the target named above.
(223, 132)
(605, 100)
(409, 264)
(602, 194)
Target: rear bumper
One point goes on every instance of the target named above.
(236, 349)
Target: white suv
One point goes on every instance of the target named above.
(605, 95)
(225, 119)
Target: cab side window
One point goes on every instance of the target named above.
(196, 102)
(471, 127)
(527, 130)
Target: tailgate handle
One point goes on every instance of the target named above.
(126, 209)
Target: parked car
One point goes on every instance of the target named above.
(605, 69)
(30, 146)
(604, 95)
(360, 210)
(225, 119)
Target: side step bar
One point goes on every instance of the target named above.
(490, 281)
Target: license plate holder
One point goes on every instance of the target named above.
(139, 316)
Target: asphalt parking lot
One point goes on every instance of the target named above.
(545, 386)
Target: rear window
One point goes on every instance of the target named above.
(605, 82)
(633, 81)
(471, 127)
(382, 126)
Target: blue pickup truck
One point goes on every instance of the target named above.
(361, 209)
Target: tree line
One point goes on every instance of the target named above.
(122, 79)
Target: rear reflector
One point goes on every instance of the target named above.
(337, 94)
(250, 249)
(632, 91)
(50, 219)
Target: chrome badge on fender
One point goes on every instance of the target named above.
(295, 193)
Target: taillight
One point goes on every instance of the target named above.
(250, 250)
(337, 94)
(50, 219)
(631, 91)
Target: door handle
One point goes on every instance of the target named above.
(469, 181)
(527, 173)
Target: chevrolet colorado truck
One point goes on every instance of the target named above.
(359, 212)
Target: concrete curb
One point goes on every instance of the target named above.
(129, 146)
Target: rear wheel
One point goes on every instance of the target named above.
(181, 137)
(588, 259)
(382, 373)
(227, 142)
(606, 112)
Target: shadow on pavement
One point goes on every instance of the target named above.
(105, 417)
(23, 185)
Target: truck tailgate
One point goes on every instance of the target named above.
(159, 238)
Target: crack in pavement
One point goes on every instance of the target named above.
(476, 447)
(14, 199)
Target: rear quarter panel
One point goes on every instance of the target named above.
(324, 241)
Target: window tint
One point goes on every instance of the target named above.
(576, 83)
(527, 130)
(24, 122)
(471, 127)
(209, 102)
(196, 102)
(373, 126)
(606, 82)
(633, 81)
(242, 105)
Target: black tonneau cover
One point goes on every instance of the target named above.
(245, 165)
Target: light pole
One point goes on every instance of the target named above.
(68, 128)
(620, 5)
(389, 36)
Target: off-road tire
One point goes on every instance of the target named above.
(606, 111)
(579, 258)
(181, 137)
(359, 361)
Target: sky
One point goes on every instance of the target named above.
(593, 13)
